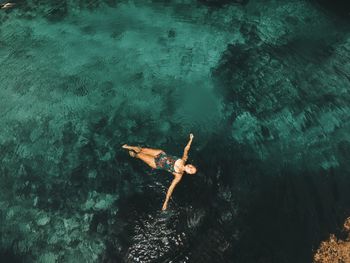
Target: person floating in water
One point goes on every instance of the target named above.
(158, 159)
(6, 5)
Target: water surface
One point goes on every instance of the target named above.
(264, 87)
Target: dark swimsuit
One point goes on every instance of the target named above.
(166, 162)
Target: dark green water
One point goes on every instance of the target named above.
(263, 85)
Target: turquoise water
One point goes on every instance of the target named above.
(264, 87)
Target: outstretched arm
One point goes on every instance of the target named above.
(170, 191)
(187, 148)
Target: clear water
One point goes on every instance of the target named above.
(264, 87)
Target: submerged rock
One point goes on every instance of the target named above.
(43, 220)
(99, 201)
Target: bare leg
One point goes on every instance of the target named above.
(148, 151)
(148, 159)
(151, 151)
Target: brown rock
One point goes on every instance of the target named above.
(334, 250)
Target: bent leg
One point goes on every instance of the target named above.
(150, 151)
(137, 149)
(148, 159)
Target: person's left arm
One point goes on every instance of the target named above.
(176, 180)
(187, 148)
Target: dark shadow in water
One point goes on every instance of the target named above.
(9, 257)
(148, 235)
(291, 215)
(284, 212)
(339, 7)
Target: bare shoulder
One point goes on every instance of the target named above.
(179, 163)
(182, 160)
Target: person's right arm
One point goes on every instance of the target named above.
(170, 191)
(187, 148)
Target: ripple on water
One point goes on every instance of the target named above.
(155, 237)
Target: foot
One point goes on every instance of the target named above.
(133, 148)
(132, 153)
(7, 5)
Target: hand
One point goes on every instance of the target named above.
(191, 136)
(164, 206)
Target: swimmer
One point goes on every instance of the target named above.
(6, 5)
(158, 159)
